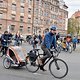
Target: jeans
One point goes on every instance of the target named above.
(4, 49)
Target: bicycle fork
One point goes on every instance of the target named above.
(56, 64)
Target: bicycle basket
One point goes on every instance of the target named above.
(32, 55)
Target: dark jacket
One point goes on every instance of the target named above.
(5, 39)
(17, 38)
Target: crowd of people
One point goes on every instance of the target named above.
(46, 41)
(35, 39)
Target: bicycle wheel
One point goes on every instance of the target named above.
(70, 49)
(74, 47)
(58, 68)
(1, 53)
(6, 63)
(32, 66)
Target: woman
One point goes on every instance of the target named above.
(17, 39)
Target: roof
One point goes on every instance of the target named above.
(77, 14)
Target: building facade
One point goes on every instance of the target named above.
(32, 16)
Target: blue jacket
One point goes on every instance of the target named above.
(49, 40)
(74, 40)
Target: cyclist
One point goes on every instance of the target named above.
(5, 41)
(49, 40)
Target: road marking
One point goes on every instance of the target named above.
(37, 73)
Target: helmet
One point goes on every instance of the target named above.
(53, 27)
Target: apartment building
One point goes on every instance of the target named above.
(14, 16)
(32, 16)
(46, 13)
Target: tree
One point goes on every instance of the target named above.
(70, 26)
(73, 26)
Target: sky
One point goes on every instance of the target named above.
(73, 5)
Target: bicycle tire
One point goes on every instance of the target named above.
(32, 66)
(55, 70)
(1, 53)
(70, 49)
(6, 63)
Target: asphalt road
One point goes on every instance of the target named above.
(73, 61)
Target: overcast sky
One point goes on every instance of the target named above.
(73, 5)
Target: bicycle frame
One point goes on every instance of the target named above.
(47, 59)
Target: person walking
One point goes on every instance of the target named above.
(74, 41)
(17, 39)
(34, 41)
(5, 41)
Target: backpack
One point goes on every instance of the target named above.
(32, 55)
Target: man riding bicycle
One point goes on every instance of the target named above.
(48, 42)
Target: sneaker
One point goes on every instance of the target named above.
(42, 68)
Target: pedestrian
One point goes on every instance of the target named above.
(34, 41)
(68, 40)
(5, 42)
(40, 38)
(57, 36)
(21, 38)
(17, 38)
(74, 41)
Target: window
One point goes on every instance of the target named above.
(0, 26)
(13, 16)
(13, 7)
(29, 10)
(22, 1)
(56, 9)
(21, 18)
(29, 29)
(36, 21)
(29, 2)
(36, 11)
(22, 9)
(1, 15)
(12, 27)
(1, 3)
(21, 28)
(29, 20)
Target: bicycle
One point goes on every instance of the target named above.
(74, 46)
(57, 67)
(69, 48)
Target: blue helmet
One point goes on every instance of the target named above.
(53, 27)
